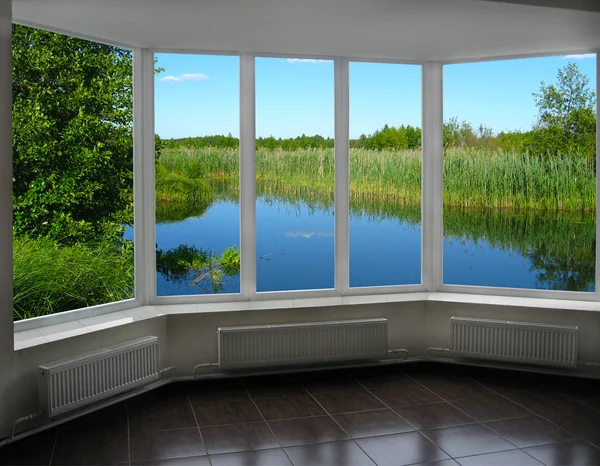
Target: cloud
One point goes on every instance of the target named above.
(185, 77)
(579, 56)
(305, 60)
(308, 234)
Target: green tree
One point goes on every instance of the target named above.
(72, 136)
(567, 116)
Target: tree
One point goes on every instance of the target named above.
(72, 136)
(567, 116)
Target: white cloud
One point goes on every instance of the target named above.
(579, 56)
(308, 234)
(305, 60)
(184, 77)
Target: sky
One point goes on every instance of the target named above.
(198, 95)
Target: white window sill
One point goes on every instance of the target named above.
(31, 337)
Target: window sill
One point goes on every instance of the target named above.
(32, 337)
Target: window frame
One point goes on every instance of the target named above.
(431, 201)
(248, 190)
(593, 296)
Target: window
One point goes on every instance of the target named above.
(294, 174)
(385, 174)
(197, 175)
(73, 173)
(519, 173)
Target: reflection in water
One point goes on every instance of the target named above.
(309, 234)
(522, 249)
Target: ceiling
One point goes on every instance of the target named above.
(585, 5)
(411, 30)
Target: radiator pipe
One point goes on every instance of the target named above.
(203, 366)
(440, 350)
(23, 419)
(166, 370)
(396, 351)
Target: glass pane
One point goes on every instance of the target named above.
(519, 173)
(385, 174)
(73, 173)
(294, 174)
(197, 175)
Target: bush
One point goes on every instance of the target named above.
(50, 278)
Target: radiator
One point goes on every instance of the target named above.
(520, 342)
(78, 381)
(307, 343)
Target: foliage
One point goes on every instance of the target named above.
(190, 264)
(567, 116)
(472, 177)
(49, 277)
(72, 141)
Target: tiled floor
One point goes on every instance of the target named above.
(406, 414)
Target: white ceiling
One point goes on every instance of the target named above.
(413, 30)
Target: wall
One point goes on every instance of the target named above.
(8, 361)
(190, 339)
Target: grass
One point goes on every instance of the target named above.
(472, 179)
(50, 278)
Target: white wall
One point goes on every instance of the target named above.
(7, 360)
(190, 339)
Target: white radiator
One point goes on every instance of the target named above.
(520, 342)
(87, 378)
(306, 343)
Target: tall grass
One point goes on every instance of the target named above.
(50, 278)
(472, 179)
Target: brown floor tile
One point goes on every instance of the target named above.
(401, 449)
(567, 413)
(109, 420)
(347, 402)
(90, 449)
(275, 457)
(289, 407)
(372, 423)
(328, 454)
(196, 461)
(406, 395)
(491, 408)
(264, 392)
(505, 382)
(332, 386)
(166, 444)
(307, 430)
(385, 381)
(151, 414)
(226, 412)
(573, 452)
(238, 437)
(452, 387)
(439, 463)
(503, 458)
(529, 431)
(434, 415)
(472, 439)
(207, 394)
(34, 450)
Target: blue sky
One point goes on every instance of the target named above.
(198, 95)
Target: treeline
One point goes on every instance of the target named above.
(543, 140)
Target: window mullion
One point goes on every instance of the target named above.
(341, 212)
(143, 176)
(432, 176)
(597, 177)
(247, 175)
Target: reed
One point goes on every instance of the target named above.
(472, 178)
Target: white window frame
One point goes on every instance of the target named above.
(432, 190)
(248, 190)
(529, 292)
